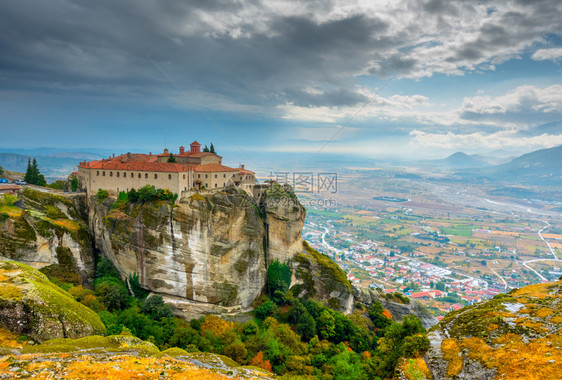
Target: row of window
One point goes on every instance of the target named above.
(132, 175)
(216, 176)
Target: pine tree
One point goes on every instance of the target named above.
(172, 159)
(28, 171)
(34, 172)
(212, 150)
(205, 149)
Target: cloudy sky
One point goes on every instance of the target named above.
(401, 79)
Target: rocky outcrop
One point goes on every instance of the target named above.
(44, 229)
(513, 336)
(318, 277)
(398, 306)
(31, 305)
(118, 357)
(206, 254)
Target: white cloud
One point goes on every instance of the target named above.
(553, 54)
(482, 141)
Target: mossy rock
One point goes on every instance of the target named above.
(320, 278)
(40, 309)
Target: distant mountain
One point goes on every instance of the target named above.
(461, 159)
(541, 167)
(458, 160)
(537, 167)
(57, 165)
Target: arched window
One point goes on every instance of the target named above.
(215, 176)
(139, 175)
(169, 176)
(155, 176)
(111, 174)
(146, 175)
(103, 174)
(98, 173)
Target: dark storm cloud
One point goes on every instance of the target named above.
(249, 53)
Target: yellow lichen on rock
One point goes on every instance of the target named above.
(451, 350)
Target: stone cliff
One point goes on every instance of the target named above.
(206, 254)
(48, 231)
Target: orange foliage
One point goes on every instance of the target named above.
(257, 361)
(450, 350)
(365, 355)
(8, 339)
(46, 366)
(217, 325)
(387, 314)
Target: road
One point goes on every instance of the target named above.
(526, 263)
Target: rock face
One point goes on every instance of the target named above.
(48, 230)
(513, 336)
(318, 277)
(398, 307)
(31, 305)
(208, 253)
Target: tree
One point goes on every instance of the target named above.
(1, 170)
(212, 150)
(279, 279)
(28, 172)
(205, 149)
(156, 308)
(172, 159)
(32, 174)
(74, 184)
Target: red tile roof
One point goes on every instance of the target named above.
(138, 166)
(188, 154)
(195, 143)
(214, 168)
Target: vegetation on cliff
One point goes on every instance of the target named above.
(288, 336)
(513, 336)
(30, 305)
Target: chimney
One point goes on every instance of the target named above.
(182, 149)
(242, 167)
(150, 153)
(166, 151)
(114, 155)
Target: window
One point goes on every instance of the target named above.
(98, 173)
(205, 175)
(155, 176)
(146, 175)
(224, 176)
(184, 176)
(103, 174)
(215, 185)
(198, 175)
(169, 176)
(111, 174)
(124, 174)
(139, 175)
(117, 174)
(206, 185)
(215, 176)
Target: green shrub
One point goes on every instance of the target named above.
(102, 194)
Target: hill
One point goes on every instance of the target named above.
(513, 336)
(538, 168)
(463, 160)
(458, 160)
